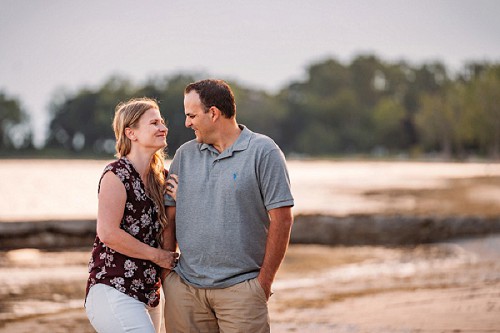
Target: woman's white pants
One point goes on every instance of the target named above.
(111, 311)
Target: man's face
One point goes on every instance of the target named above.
(196, 118)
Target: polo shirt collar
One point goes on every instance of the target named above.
(240, 144)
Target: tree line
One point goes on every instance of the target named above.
(365, 107)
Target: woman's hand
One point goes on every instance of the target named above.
(172, 184)
(166, 259)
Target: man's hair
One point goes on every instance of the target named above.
(214, 93)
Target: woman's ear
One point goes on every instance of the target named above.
(130, 134)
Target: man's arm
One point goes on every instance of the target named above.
(169, 242)
(277, 242)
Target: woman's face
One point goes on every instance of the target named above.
(151, 131)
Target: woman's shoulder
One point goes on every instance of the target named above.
(119, 163)
(120, 167)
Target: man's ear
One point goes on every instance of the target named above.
(130, 134)
(215, 113)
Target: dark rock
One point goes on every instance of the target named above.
(388, 230)
(47, 234)
(308, 229)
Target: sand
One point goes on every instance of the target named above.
(445, 287)
(453, 287)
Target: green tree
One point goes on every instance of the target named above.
(368, 79)
(337, 109)
(388, 124)
(83, 122)
(485, 89)
(325, 114)
(15, 132)
(325, 78)
(260, 111)
(435, 124)
(425, 80)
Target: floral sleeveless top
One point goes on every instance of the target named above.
(137, 278)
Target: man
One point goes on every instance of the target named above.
(231, 220)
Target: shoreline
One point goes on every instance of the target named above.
(331, 230)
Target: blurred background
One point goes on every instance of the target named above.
(388, 114)
(322, 79)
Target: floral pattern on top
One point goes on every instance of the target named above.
(137, 278)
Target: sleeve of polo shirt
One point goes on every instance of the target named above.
(174, 169)
(275, 181)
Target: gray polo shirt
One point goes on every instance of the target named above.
(222, 207)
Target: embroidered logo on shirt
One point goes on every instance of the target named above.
(234, 176)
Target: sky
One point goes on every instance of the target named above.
(51, 45)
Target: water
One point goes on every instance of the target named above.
(67, 189)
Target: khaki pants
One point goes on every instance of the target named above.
(239, 308)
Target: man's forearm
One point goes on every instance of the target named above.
(169, 240)
(277, 243)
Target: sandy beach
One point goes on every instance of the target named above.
(445, 287)
(451, 286)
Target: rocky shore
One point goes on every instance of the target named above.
(358, 229)
(389, 230)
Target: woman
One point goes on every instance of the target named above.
(124, 286)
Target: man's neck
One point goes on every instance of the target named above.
(227, 136)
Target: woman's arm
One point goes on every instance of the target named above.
(112, 199)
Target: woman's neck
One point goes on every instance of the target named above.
(141, 162)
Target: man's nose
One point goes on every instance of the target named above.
(187, 123)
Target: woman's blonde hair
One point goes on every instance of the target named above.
(127, 114)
